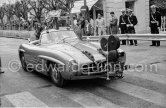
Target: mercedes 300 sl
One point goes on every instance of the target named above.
(61, 55)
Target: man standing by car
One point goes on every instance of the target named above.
(113, 24)
(38, 30)
(100, 24)
(155, 23)
(122, 24)
(131, 22)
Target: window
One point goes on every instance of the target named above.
(130, 4)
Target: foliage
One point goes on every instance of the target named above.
(21, 9)
(2, 13)
(36, 9)
(160, 3)
(9, 11)
(65, 5)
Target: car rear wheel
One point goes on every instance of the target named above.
(57, 77)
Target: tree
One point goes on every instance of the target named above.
(160, 3)
(36, 9)
(9, 11)
(21, 9)
(2, 14)
(65, 5)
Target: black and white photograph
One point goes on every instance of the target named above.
(83, 53)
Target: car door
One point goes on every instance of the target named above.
(39, 64)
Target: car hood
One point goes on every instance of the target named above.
(75, 50)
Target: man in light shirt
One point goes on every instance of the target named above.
(92, 26)
(100, 24)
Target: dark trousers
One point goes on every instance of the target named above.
(155, 30)
(123, 31)
(131, 30)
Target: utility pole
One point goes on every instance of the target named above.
(85, 10)
(84, 2)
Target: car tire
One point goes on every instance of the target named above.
(23, 63)
(56, 77)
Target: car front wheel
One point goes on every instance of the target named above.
(57, 77)
(23, 63)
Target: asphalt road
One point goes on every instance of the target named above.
(143, 87)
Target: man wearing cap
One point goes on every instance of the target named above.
(122, 24)
(155, 23)
(131, 22)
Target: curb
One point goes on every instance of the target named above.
(16, 34)
(14, 37)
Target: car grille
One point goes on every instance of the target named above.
(93, 68)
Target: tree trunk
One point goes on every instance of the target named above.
(2, 24)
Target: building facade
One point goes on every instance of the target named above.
(139, 7)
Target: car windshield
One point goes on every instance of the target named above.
(57, 36)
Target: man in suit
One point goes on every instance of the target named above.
(131, 22)
(122, 24)
(113, 24)
(155, 23)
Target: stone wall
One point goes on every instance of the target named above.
(17, 34)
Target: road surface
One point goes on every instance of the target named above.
(140, 87)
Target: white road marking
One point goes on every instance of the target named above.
(139, 92)
(148, 76)
(25, 99)
(88, 99)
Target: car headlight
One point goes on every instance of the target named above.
(73, 66)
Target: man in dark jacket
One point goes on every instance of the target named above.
(122, 24)
(131, 22)
(38, 30)
(155, 23)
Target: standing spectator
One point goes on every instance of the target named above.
(122, 24)
(78, 30)
(68, 22)
(100, 24)
(131, 22)
(88, 28)
(92, 26)
(155, 23)
(81, 21)
(74, 21)
(38, 30)
(113, 24)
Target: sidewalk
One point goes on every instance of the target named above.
(145, 54)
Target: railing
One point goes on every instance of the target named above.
(141, 37)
